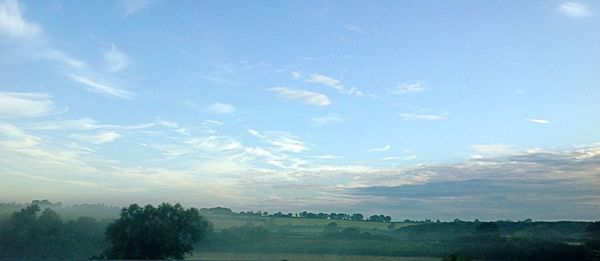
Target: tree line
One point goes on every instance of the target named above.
(171, 231)
(303, 214)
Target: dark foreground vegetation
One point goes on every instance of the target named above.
(44, 230)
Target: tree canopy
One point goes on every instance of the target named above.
(163, 232)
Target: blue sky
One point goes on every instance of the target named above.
(316, 105)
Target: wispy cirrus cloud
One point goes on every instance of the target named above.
(326, 120)
(220, 108)
(281, 141)
(380, 149)
(406, 88)
(131, 7)
(25, 104)
(98, 138)
(102, 88)
(84, 124)
(574, 9)
(538, 121)
(491, 150)
(421, 116)
(116, 60)
(303, 96)
(333, 83)
(14, 26)
(396, 158)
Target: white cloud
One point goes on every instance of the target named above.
(411, 157)
(327, 157)
(133, 6)
(13, 25)
(116, 60)
(85, 124)
(421, 116)
(98, 138)
(406, 88)
(539, 121)
(304, 96)
(23, 104)
(42, 178)
(102, 88)
(61, 57)
(381, 149)
(326, 80)
(288, 143)
(487, 150)
(333, 83)
(220, 108)
(297, 75)
(326, 120)
(282, 141)
(574, 9)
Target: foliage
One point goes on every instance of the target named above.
(28, 234)
(163, 232)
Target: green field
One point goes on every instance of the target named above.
(299, 257)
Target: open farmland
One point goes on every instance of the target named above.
(299, 257)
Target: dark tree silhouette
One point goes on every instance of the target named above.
(488, 229)
(357, 217)
(163, 232)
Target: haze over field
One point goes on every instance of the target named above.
(417, 109)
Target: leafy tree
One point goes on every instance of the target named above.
(331, 228)
(375, 218)
(163, 232)
(27, 235)
(357, 217)
(387, 219)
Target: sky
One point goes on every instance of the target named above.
(415, 109)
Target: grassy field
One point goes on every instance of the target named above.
(299, 257)
(223, 222)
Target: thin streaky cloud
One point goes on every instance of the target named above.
(131, 7)
(24, 104)
(97, 138)
(327, 157)
(332, 83)
(102, 88)
(13, 25)
(380, 149)
(421, 116)
(326, 120)
(486, 150)
(574, 9)
(539, 121)
(47, 179)
(220, 108)
(61, 57)
(116, 60)
(406, 88)
(303, 96)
